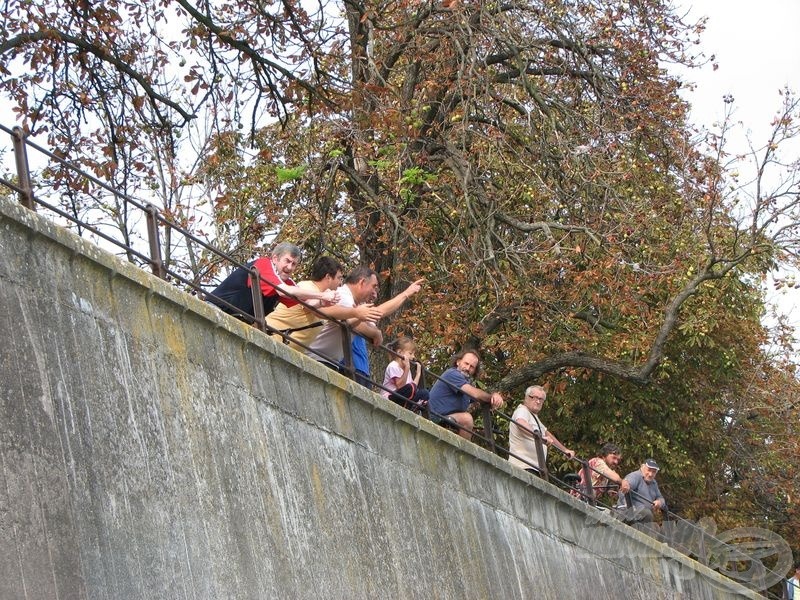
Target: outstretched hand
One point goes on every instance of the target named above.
(331, 296)
(368, 312)
(413, 287)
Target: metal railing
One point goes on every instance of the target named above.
(155, 221)
(707, 549)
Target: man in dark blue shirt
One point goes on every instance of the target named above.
(452, 394)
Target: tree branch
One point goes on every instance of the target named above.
(102, 54)
(714, 269)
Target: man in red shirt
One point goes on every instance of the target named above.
(234, 295)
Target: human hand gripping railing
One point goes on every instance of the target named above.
(539, 444)
(670, 535)
(585, 488)
(691, 539)
(258, 319)
(629, 496)
(422, 406)
(449, 423)
(488, 430)
(709, 550)
(722, 552)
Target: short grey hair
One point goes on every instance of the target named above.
(535, 388)
(286, 248)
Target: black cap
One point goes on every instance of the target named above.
(651, 464)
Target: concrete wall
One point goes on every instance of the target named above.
(153, 447)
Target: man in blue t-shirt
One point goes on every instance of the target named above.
(452, 394)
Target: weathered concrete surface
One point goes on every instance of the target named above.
(153, 447)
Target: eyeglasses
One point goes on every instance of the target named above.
(535, 397)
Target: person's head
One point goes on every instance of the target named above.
(611, 454)
(468, 362)
(363, 282)
(649, 470)
(405, 345)
(326, 272)
(534, 399)
(285, 258)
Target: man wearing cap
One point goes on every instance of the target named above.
(644, 496)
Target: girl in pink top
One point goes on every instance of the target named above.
(404, 386)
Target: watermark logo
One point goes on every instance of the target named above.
(755, 557)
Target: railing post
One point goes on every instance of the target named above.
(702, 555)
(588, 488)
(488, 430)
(23, 172)
(543, 473)
(347, 351)
(426, 413)
(156, 261)
(258, 300)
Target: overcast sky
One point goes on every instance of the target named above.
(757, 47)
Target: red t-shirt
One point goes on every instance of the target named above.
(268, 275)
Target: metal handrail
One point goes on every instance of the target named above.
(668, 516)
(154, 220)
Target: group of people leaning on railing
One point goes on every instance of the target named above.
(635, 497)
(316, 317)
